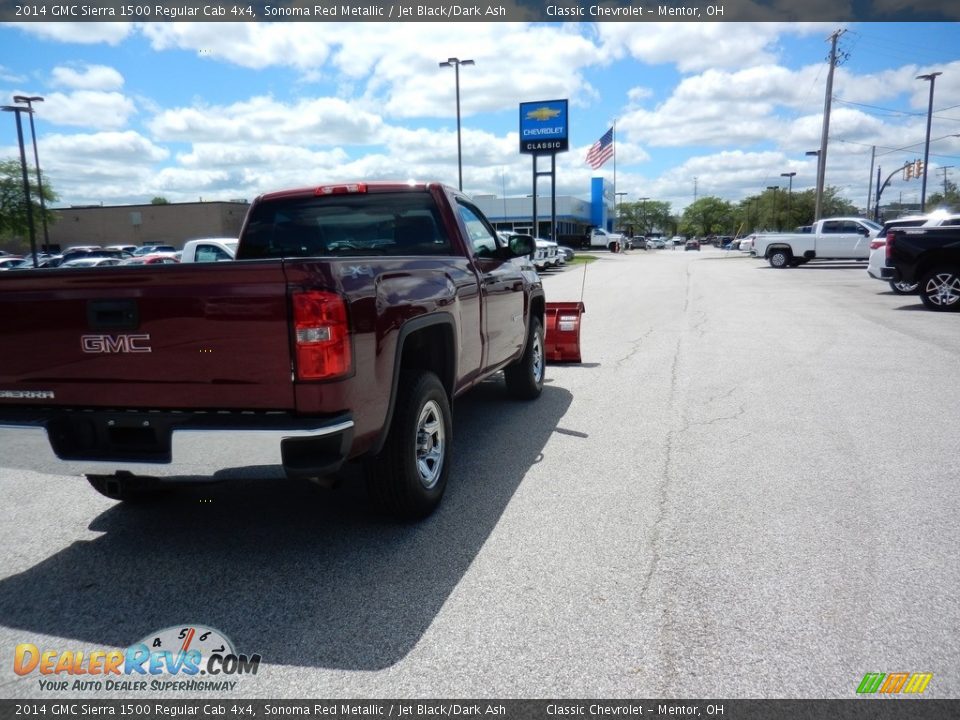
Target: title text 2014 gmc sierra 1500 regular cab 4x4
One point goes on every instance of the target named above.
(352, 318)
(828, 239)
(929, 256)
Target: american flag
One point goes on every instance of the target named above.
(601, 151)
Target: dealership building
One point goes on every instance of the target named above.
(176, 223)
(168, 224)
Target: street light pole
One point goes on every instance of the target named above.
(36, 159)
(775, 208)
(16, 110)
(931, 77)
(455, 63)
(789, 176)
(616, 213)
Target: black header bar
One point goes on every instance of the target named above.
(636, 11)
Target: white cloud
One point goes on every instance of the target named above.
(322, 121)
(86, 33)
(88, 77)
(8, 75)
(100, 167)
(249, 45)
(88, 109)
(693, 47)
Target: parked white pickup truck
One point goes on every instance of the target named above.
(829, 239)
(209, 250)
(601, 238)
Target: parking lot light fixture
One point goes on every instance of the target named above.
(16, 110)
(36, 159)
(455, 63)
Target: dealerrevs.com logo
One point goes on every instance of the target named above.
(181, 658)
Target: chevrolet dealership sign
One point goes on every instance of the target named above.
(543, 127)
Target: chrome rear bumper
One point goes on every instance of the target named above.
(181, 445)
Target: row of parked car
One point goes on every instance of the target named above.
(915, 254)
(88, 256)
(548, 253)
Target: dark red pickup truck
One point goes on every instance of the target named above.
(353, 317)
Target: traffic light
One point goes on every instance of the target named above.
(908, 171)
(918, 168)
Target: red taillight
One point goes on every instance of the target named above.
(341, 189)
(321, 335)
(876, 243)
(889, 252)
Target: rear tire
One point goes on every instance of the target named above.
(940, 290)
(904, 288)
(407, 479)
(524, 378)
(780, 258)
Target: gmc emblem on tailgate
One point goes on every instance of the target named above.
(116, 343)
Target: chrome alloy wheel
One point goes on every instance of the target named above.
(537, 359)
(943, 289)
(905, 287)
(779, 259)
(430, 444)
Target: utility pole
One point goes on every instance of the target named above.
(873, 158)
(944, 169)
(694, 188)
(825, 132)
(931, 78)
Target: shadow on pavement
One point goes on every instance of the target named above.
(300, 575)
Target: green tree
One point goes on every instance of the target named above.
(159, 200)
(708, 216)
(949, 199)
(644, 216)
(780, 210)
(14, 229)
(832, 205)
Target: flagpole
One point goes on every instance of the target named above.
(614, 141)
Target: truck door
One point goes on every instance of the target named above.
(501, 290)
(839, 239)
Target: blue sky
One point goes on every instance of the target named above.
(223, 111)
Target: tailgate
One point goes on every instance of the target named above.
(208, 336)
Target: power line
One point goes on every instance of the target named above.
(881, 109)
(892, 112)
(889, 47)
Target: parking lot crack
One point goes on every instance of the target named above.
(634, 348)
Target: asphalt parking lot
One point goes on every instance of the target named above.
(746, 489)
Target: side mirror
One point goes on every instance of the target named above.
(521, 245)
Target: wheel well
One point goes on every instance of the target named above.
(538, 309)
(774, 248)
(431, 348)
(934, 261)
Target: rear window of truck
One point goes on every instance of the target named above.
(403, 223)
